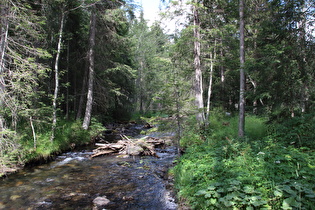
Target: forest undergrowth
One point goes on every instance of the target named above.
(16, 150)
(271, 168)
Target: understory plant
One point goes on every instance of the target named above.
(11, 152)
(18, 150)
(257, 172)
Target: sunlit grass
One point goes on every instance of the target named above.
(67, 135)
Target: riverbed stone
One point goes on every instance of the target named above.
(14, 197)
(99, 202)
(2, 206)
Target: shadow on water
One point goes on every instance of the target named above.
(73, 181)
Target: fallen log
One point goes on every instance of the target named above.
(103, 152)
(133, 147)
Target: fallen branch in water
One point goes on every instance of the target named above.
(126, 146)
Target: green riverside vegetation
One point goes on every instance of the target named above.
(21, 149)
(271, 168)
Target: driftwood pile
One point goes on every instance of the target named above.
(132, 147)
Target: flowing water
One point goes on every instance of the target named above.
(73, 181)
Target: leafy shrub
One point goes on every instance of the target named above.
(231, 194)
(10, 150)
(298, 131)
(258, 172)
(256, 127)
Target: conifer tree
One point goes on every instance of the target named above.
(241, 126)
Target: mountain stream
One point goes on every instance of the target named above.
(74, 181)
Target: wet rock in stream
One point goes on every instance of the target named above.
(100, 202)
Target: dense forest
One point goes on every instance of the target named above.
(236, 78)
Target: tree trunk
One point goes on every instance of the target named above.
(305, 93)
(198, 73)
(241, 125)
(4, 29)
(141, 88)
(89, 102)
(82, 94)
(54, 123)
(34, 133)
(68, 82)
(212, 59)
(178, 109)
(222, 74)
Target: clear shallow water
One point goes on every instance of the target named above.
(73, 181)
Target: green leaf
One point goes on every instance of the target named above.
(230, 196)
(286, 206)
(254, 198)
(221, 190)
(290, 202)
(249, 189)
(213, 201)
(310, 195)
(258, 203)
(226, 202)
(288, 189)
(208, 195)
(201, 192)
(278, 193)
(211, 188)
(215, 194)
(235, 182)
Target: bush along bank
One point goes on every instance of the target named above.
(17, 149)
(257, 172)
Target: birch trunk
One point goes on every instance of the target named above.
(56, 68)
(34, 133)
(241, 124)
(89, 102)
(198, 73)
(212, 57)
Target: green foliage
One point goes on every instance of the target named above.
(297, 131)
(258, 172)
(222, 127)
(67, 135)
(232, 194)
(10, 150)
(191, 135)
(255, 127)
